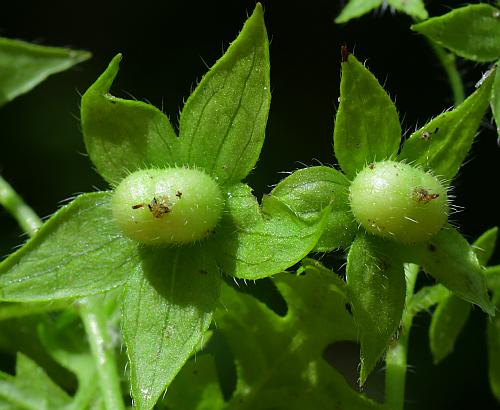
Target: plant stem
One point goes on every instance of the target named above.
(447, 60)
(25, 216)
(94, 320)
(396, 356)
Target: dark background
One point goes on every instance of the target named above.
(166, 47)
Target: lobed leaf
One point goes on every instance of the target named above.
(376, 286)
(289, 370)
(167, 308)
(123, 136)
(452, 313)
(472, 32)
(308, 191)
(443, 143)
(357, 8)
(79, 251)
(253, 242)
(23, 65)
(367, 125)
(452, 261)
(223, 122)
(31, 388)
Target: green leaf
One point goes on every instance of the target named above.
(472, 32)
(222, 124)
(493, 277)
(24, 65)
(414, 8)
(452, 261)
(9, 310)
(367, 125)
(451, 314)
(443, 143)
(78, 251)
(288, 370)
(123, 136)
(253, 243)
(31, 388)
(376, 286)
(447, 322)
(308, 191)
(493, 344)
(357, 8)
(196, 387)
(495, 100)
(167, 308)
(337, 285)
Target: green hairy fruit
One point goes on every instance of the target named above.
(398, 201)
(167, 206)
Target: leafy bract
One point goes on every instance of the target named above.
(222, 125)
(78, 252)
(308, 191)
(451, 313)
(443, 143)
(357, 8)
(24, 65)
(376, 286)
(452, 261)
(167, 308)
(31, 388)
(472, 31)
(288, 370)
(122, 136)
(367, 126)
(253, 242)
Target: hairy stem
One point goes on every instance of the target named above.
(94, 320)
(14, 204)
(447, 60)
(395, 359)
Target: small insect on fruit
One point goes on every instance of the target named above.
(167, 206)
(398, 201)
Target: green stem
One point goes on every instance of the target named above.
(25, 216)
(94, 320)
(447, 60)
(395, 359)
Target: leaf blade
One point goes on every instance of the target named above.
(364, 107)
(356, 8)
(185, 298)
(78, 252)
(122, 136)
(225, 117)
(472, 32)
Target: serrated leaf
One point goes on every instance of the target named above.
(288, 370)
(121, 135)
(357, 8)
(376, 286)
(31, 388)
(253, 242)
(451, 314)
(167, 308)
(222, 124)
(367, 125)
(450, 259)
(414, 8)
(24, 65)
(472, 32)
(196, 387)
(443, 143)
(308, 191)
(495, 100)
(79, 251)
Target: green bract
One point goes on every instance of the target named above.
(398, 201)
(167, 206)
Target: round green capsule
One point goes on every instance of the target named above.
(396, 200)
(167, 206)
